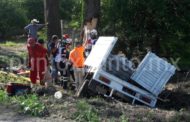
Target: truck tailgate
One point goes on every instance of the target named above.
(153, 73)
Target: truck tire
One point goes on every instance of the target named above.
(83, 90)
(92, 85)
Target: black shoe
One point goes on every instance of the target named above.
(64, 85)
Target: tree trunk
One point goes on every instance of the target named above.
(92, 13)
(52, 14)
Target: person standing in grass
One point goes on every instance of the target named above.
(38, 62)
(52, 52)
(77, 59)
(33, 28)
(44, 66)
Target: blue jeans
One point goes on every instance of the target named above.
(54, 70)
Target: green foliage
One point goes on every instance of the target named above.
(163, 25)
(123, 118)
(149, 115)
(30, 104)
(34, 9)
(70, 12)
(3, 97)
(10, 44)
(85, 113)
(43, 34)
(23, 55)
(4, 60)
(9, 77)
(12, 19)
(176, 118)
(180, 116)
(17, 14)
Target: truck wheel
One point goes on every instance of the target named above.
(92, 85)
(83, 90)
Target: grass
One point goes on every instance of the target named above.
(3, 97)
(149, 114)
(85, 113)
(4, 60)
(180, 116)
(29, 104)
(12, 52)
(10, 77)
(123, 118)
(13, 43)
(9, 44)
(23, 54)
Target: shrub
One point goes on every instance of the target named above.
(12, 20)
(3, 97)
(85, 113)
(30, 104)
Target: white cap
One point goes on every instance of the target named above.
(34, 21)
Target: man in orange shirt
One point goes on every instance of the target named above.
(77, 59)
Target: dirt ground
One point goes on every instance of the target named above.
(174, 106)
(9, 114)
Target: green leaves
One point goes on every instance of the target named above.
(9, 77)
(3, 97)
(34, 9)
(71, 13)
(163, 25)
(85, 113)
(12, 18)
(29, 104)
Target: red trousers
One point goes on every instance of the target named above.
(37, 61)
(38, 67)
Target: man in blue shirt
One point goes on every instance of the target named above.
(33, 28)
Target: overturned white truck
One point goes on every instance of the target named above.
(110, 74)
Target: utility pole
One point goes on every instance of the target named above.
(45, 11)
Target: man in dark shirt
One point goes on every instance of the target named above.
(33, 28)
(53, 50)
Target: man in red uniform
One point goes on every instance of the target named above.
(38, 60)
